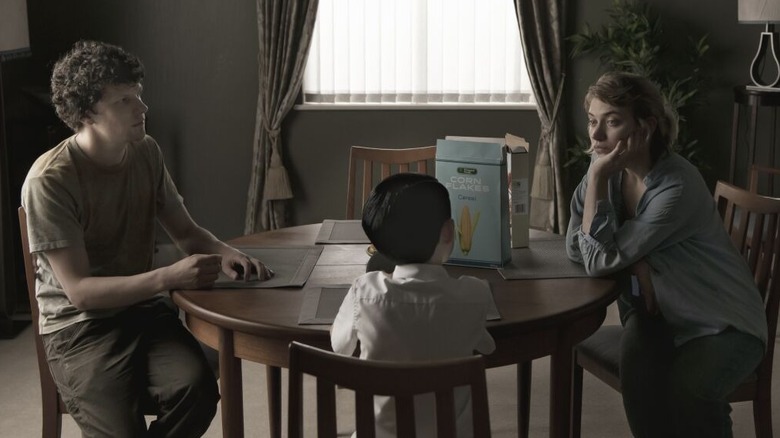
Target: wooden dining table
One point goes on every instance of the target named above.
(538, 318)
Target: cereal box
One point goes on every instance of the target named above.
(519, 187)
(474, 171)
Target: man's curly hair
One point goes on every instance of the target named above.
(79, 77)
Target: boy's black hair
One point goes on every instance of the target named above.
(79, 77)
(404, 214)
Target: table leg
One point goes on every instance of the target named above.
(231, 387)
(274, 385)
(561, 369)
(523, 398)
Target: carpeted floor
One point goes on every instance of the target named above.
(602, 409)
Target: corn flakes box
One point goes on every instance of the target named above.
(474, 171)
(519, 188)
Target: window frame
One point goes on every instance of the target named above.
(301, 104)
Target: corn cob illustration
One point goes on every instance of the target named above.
(466, 229)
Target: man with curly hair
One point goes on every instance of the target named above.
(113, 340)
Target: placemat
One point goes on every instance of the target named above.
(321, 304)
(542, 259)
(292, 266)
(341, 231)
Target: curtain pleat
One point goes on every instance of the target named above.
(542, 35)
(284, 30)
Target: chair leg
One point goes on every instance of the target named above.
(274, 383)
(523, 398)
(762, 417)
(51, 424)
(576, 399)
(52, 427)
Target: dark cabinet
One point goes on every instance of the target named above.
(754, 131)
(31, 127)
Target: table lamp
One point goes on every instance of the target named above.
(765, 12)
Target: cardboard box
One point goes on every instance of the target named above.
(474, 171)
(519, 189)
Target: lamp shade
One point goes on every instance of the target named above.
(758, 11)
(14, 35)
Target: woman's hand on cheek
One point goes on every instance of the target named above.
(613, 162)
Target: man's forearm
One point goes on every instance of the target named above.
(109, 292)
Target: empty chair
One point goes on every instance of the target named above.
(400, 380)
(753, 222)
(762, 179)
(368, 166)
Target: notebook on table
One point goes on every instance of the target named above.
(292, 266)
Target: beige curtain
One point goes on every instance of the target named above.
(284, 30)
(542, 34)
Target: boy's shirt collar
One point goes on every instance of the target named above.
(424, 271)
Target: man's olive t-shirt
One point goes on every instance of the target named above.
(70, 200)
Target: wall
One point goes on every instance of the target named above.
(201, 88)
(733, 46)
(319, 142)
(200, 85)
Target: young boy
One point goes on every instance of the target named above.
(113, 342)
(418, 312)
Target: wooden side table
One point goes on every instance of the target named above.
(754, 99)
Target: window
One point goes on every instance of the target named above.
(416, 52)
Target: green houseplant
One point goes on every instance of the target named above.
(635, 40)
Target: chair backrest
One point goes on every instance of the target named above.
(52, 405)
(400, 380)
(377, 164)
(753, 222)
(762, 179)
(29, 271)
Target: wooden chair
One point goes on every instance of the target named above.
(52, 406)
(753, 222)
(387, 162)
(400, 380)
(758, 174)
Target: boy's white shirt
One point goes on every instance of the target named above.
(419, 313)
